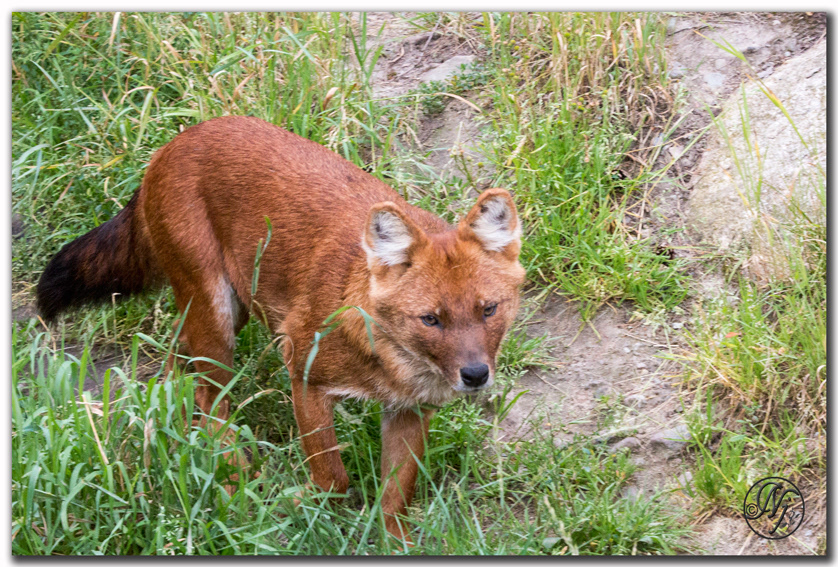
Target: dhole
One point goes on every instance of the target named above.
(442, 296)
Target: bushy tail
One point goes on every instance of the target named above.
(115, 257)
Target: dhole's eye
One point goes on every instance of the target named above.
(429, 320)
(490, 310)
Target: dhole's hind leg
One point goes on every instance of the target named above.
(213, 316)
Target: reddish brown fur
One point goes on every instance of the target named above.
(201, 208)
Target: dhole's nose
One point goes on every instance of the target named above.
(474, 376)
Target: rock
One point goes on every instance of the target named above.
(673, 439)
(632, 493)
(714, 80)
(447, 69)
(717, 207)
(641, 365)
(638, 400)
(602, 391)
(17, 226)
(685, 479)
(630, 443)
(677, 325)
(550, 542)
(627, 350)
(676, 70)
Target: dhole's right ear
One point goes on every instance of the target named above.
(390, 237)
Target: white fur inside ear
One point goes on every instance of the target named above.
(492, 227)
(389, 239)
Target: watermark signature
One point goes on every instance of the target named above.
(774, 508)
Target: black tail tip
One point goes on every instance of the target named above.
(51, 297)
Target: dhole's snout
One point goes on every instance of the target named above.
(475, 377)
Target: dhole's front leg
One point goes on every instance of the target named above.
(313, 411)
(403, 436)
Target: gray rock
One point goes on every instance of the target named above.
(630, 443)
(632, 493)
(550, 542)
(677, 325)
(673, 439)
(602, 391)
(447, 69)
(18, 228)
(638, 400)
(789, 175)
(676, 70)
(714, 80)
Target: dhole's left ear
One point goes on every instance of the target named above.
(493, 220)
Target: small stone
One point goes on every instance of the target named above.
(766, 73)
(714, 80)
(447, 69)
(550, 542)
(787, 53)
(17, 226)
(776, 22)
(720, 63)
(641, 365)
(627, 350)
(630, 443)
(602, 391)
(751, 49)
(685, 479)
(635, 400)
(673, 439)
(677, 325)
(676, 70)
(632, 493)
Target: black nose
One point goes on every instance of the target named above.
(474, 376)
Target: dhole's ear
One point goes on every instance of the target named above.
(390, 237)
(493, 220)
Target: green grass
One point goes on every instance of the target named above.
(760, 355)
(124, 473)
(564, 119)
(127, 474)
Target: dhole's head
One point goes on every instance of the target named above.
(446, 299)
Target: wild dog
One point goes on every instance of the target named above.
(442, 297)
